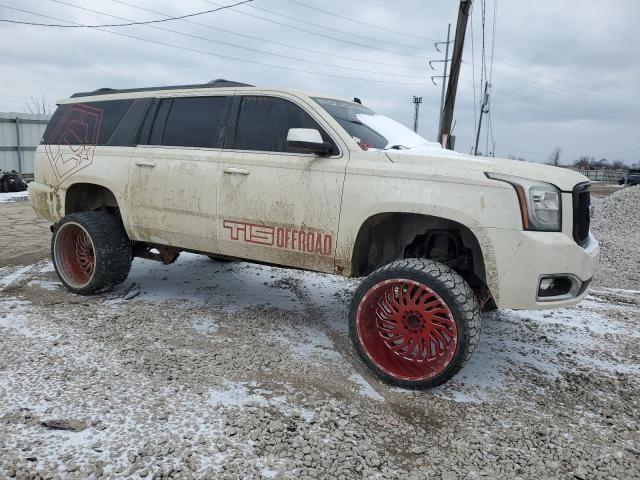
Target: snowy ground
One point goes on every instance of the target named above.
(233, 370)
(13, 196)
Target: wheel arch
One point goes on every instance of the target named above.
(388, 236)
(88, 196)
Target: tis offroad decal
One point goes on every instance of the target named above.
(71, 146)
(280, 237)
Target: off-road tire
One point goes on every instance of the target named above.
(112, 250)
(452, 289)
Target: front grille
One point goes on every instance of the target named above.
(581, 207)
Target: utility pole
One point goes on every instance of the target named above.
(484, 108)
(444, 74)
(416, 102)
(456, 60)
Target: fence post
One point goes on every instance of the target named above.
(19, 147)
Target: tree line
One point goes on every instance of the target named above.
(584, 162)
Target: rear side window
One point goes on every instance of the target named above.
(126, 133)
(198, 122)
(263, 123)
(90, 123)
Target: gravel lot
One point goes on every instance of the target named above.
(205, 369)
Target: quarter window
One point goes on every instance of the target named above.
(89, 123)
(263, 123)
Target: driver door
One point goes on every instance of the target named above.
(276, 205)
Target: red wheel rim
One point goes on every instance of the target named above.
(406, 329)
(74, 255)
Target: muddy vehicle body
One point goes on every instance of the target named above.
(284, 178)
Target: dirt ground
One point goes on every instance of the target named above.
(205, 369)
(602, 189)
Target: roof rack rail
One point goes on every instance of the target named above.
(217, 83)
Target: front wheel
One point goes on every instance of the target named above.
(91, 252)
(414, 322)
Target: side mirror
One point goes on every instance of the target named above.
(308, 140)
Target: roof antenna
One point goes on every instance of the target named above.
(357, 100)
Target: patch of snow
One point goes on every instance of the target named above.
(308, 342)
(13, 196)
(237, 395)
(513, 341)
(13, 275)
(45, 284)
(204, 326)
(198, 279)
(365, 389)
(613, 290)
(395, 132)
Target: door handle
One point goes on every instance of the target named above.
(145, 163)
(241, 171)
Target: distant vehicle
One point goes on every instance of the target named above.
(315, 183)
(11, 182)
(630, 180)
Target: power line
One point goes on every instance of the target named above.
(535, 103)
(228, 57)
(282, 44)
(360, 22)
(110, 25)
(554, 90)
(237, 46)
(520, 68)
(324, 27)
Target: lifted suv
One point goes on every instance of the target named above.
(284, 178)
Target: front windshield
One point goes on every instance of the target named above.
(368, 128)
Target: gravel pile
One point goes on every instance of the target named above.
(616, 225)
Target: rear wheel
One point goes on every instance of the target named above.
(91, 252)
(414, 322)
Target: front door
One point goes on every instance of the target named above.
(172, 189)
(276, 205)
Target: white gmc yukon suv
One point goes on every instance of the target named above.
(280, 177)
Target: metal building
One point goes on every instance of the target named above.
(20, 134)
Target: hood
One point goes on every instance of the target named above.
(433, 155)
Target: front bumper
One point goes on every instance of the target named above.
(521, 258)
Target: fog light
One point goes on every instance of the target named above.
(546, 284)
(556, 286)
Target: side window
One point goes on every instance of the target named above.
(126, 133)
(89, 123)
(192, 122)
(263, 123)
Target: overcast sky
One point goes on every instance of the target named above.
(565, 73)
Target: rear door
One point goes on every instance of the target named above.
(276, 205)
(172, 188)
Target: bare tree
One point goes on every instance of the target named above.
(38, 106)
(583, 162)
(618, 165)
(554, 158)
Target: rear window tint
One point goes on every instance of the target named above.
(90, 123)
(197, 122)
(126, 133)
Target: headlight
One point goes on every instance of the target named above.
(540, 202)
